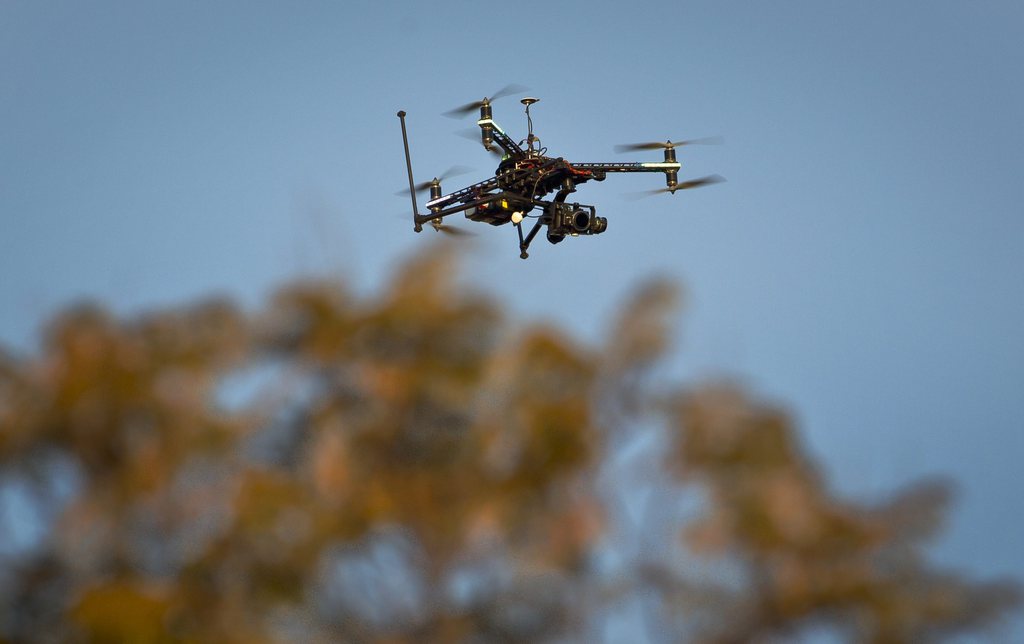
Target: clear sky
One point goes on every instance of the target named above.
(862, 266)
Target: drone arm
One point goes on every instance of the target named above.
(670, 168)
(489, 127)
(459, 195)
(628, 167)
(438, 213)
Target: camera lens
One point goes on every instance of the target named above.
(581, 220)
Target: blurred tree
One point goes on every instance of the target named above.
(411, 468)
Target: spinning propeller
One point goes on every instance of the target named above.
(473, 134)
(454, 171)
(464, 110)
(667, 145)
(450, 230)
(683, 185)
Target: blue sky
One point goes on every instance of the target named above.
(862, 266)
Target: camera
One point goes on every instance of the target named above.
(573, 219)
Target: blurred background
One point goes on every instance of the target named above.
(861, 267)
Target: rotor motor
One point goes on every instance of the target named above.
(671, 176)
(486, 130)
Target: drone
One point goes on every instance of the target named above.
(527, 175)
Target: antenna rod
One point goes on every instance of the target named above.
(530, 138)
(408, 166)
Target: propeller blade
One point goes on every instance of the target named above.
(463, 110)
(453, 231)
(508, 90)
(468, 108)
(473, 134)
(470, 133)
(653, 145)
(454, 171)
(697, 183)
(683, 185)
(447, 229)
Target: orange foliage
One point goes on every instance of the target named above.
(407, 468)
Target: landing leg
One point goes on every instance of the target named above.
(525, 243)
(522, 244)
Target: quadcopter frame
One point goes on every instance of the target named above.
(523, 179)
